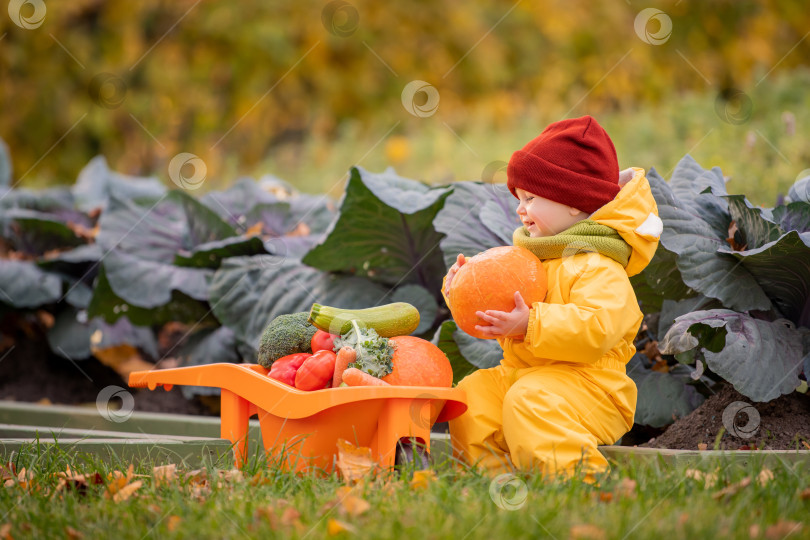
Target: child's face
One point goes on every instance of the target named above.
(544, 217)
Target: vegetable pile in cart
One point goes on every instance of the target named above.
(331, 347)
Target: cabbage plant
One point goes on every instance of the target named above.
(732, 281)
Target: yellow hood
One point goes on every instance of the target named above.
(634, 215)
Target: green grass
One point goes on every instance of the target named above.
(664, 503)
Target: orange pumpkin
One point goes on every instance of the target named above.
(418, 362)
(489, 281)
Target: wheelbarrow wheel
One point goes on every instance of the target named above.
(411, 454)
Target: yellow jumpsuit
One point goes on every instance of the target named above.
(562, 389)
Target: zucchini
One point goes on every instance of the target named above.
(397, 319)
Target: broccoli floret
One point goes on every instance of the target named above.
(286, 334)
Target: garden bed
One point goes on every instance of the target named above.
(31, 373)
(782, 424)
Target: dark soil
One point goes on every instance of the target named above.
(31, 372)
(784, 424)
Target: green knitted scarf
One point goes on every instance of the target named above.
(583, 236)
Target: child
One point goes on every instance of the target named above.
(561, 387)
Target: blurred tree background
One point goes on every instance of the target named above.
(304, 89)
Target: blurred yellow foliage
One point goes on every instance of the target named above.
(397, 149)
(232, 81)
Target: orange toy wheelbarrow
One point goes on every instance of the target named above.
(311, 422)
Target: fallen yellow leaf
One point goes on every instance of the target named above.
(197, 484)
(127, 491)
(69, 479)
(350, 503)
(7, 472)
(116, 480)
(260, 479)
(173, 522)
(164, 474)
(732, 489)
(354, 463)
(123, 359)
(421, 479)
(25, 480)
(197, 476)
(230, 475)
(764, 476)
(334, 527)
(709, 479)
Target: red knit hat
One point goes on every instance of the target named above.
(572, 162)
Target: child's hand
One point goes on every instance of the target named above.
(460, 260)
(506, 324)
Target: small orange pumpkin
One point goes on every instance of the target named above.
(418, 362)
(489, 281)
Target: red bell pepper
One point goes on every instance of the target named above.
(317, 371)
(285, 368)
(322, 341)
